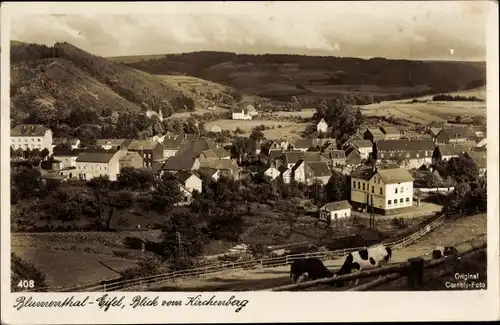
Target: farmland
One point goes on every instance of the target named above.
(290, 129)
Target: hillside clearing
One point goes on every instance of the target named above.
(290, 129)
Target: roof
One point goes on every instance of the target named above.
(195, 148)
(447, 150)
(336, 154)
(335, 206)
(479, 158)
(362, 144)
(390, 130)
(353, 157)
(170, 143)
(374, 131)
(304, 143)
(95, 157)
(220, 164)
(178, 163)
(110, 142)
(275, 153)
(311, 156)
(405, 145)
(366, 172)
(395, 175)
(292, 157)
(457, 132)
(435, 131)
(65, 153)
(319, 168)
(207, 171)
(142, 145)
(28, 130)
(322, 121)
(182, 176)
(129, 156)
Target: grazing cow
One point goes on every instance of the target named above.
(313, 268)
(376, 256)
(441, 251)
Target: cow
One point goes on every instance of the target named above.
(441, 251)
(366, 258)
(312, 268)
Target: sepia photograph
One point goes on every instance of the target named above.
(248, 147)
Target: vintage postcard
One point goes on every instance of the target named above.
(179, 162)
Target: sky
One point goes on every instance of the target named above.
(421, 30)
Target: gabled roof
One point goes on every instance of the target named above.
(129, 155)
(362, 144)
(353, 157)
(182, 176)
(95, 157)
(447, 150)
(220, 164)
(207, 171)
(435, 131)
(404, 145)
(366, 172)
(142, 145)
(395, 175)
(335, 206)
(322, 121)
(171, 143)
(479, 157)
(28, 130)
(292, 157)
(275, 153)
(282, 168)
(311, 156)
(456, 132)
(178, 163)
(319, 168)
(375, 132)
(303, 143)
(195, 148)
(390, 130)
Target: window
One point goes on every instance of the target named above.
(363, 186)
(381, 191)
(359, 186)
(39, 140)
(353, 184)
(389, 202)
(396, 190)
(402, 189)
(401, 200)
(407, 199)
(335, 216)
(373, 189)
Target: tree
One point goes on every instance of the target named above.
(44, 153)
(166, 194)
(461, 168)
(24, 271)
(182, 236)
(25, 183)
(432, 180)
(257, 135)
(135, 179)
(337, 188)
(226, 225)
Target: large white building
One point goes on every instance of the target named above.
(31, 136)
(89, 165)
(385, 188)
(242, 114)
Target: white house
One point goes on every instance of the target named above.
(188, 183)
(210, 172)
(385, 188)
(64, 160)
(241, 115)
(94, 164)
(31, 136)
(251, 110)
(364, 147)
(335, 210)
(73, 143)
(272, 173)
(322, 127)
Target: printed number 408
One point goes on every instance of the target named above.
(26, 284)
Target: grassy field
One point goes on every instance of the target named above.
(291, 130)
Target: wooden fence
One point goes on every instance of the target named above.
(413, 269)
(160, 279)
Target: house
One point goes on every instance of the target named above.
(158, 138)
(130, 159)
(171, 145)
(480, 158)
(178, 163)
(478, 130)
(188, 183)
(373, 135)
(384, 188)
(433, 132)
(251, 110)
(364, 147)
(72, 143)
(407, 153)
(202, 149)
(328, 146)
(210, 172)
(481, 143)
(94, 164)
(31, 136)
(335, 210)
(322, 126)
(444, 152)
(311, 172)
(337, 157)
(64, 159)
(290, 158)
(226, 167)
(241, 114)
(352, 157)
(303, 144)
(390, 133)
(216, 129)
(449, 135)
(357, 136)
(272, 173)
(150, 151)
(113, 144)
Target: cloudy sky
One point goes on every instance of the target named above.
(396, 29)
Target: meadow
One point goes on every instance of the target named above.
(274, 129)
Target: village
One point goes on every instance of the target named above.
(381, 163)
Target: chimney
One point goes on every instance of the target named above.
(374, 168)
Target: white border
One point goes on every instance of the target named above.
(262, 307)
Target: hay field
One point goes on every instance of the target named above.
(305, 113)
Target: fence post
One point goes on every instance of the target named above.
(104, 287)
(415, 273)
(261, 264)
(140, 283)
(286, 259)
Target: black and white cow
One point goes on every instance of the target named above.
(443, 251)
(371, 257)
(312, 268)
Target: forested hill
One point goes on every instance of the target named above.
(282, 76)
(63, 78)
